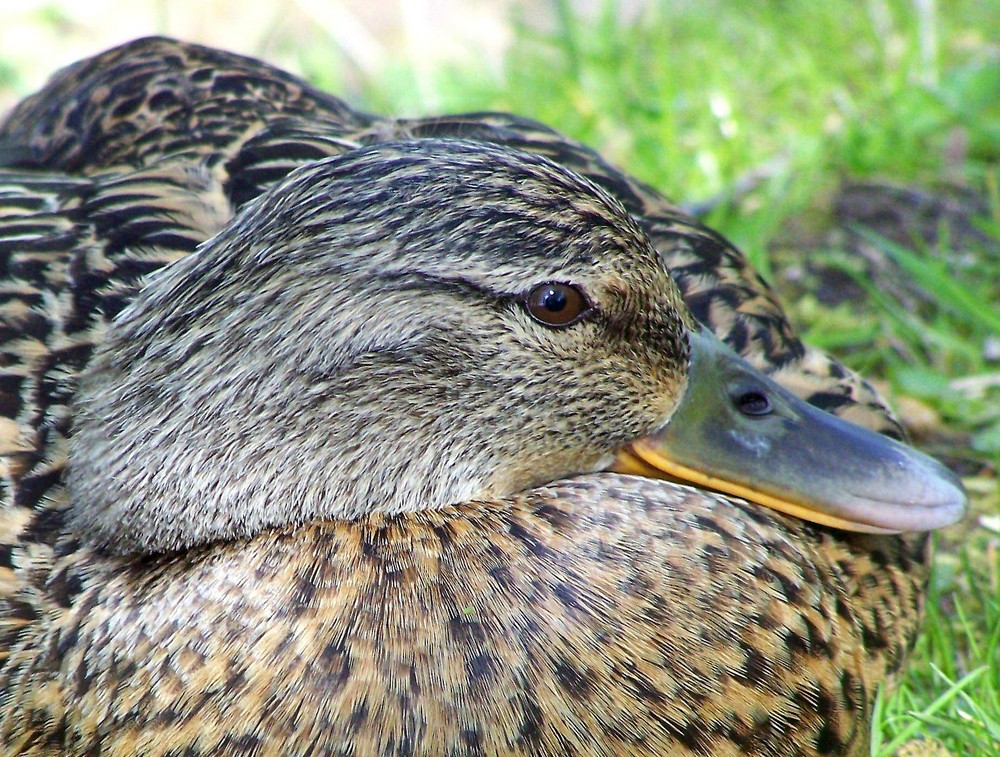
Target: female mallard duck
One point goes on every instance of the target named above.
(303, 507)
(244, 125)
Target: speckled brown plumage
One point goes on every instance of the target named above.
(609, 614)
(600, 616)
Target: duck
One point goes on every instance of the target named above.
(244, 125)
(391, 456)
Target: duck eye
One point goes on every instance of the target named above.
(556, 305)
(753, 403)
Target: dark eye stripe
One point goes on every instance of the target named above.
(556, 305)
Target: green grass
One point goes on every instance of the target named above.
(692, 97)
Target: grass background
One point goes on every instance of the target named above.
(850, 147)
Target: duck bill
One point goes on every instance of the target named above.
(736, 431)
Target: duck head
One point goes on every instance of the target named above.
(405, 327)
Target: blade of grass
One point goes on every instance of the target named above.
(934, 277)
(922, 717)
